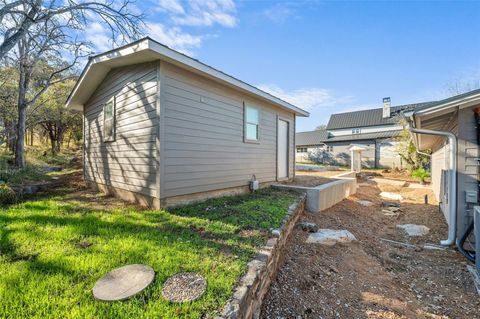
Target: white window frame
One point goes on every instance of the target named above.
(111, 137)
(245, 125)
(356, 131)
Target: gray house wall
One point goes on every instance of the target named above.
(202, 140)
(468, 166)
(439, 167)
(129, 162)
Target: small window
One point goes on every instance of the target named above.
(109, 121)
(252, 122)
(329, 148)
(356, 131)
(301, 150)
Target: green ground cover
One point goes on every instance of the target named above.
(54, 248)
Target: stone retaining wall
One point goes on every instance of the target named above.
(35, 188)
(248, 295)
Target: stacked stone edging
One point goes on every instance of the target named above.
(248, 295)
(35, 188)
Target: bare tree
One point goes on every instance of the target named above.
(44, 45)
(462, 86)
(18, 18)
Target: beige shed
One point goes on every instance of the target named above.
(162, 129)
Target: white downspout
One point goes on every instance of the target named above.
(452, 182)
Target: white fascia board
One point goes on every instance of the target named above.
(460, 103)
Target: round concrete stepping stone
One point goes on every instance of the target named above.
(123, 282)
(185, 286)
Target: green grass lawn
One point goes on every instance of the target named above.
(53, 249)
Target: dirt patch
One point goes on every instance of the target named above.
(309, 180)
(319, 174)
(371, 278)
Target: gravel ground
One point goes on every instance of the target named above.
(371, 278)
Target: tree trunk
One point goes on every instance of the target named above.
(24, 73)
(53, 138)
(20, 143)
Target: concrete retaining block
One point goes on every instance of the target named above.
(325, 196)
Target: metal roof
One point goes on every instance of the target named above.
(367, 136)
(310, 138)
(370, 117)
(321, 137)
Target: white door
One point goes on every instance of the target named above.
(282, 149)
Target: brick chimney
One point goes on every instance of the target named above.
(386, 107)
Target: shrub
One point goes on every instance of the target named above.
(7, 195)
(421, 174)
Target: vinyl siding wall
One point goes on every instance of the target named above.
(202, 137)
(129, 162)
(468, 166)
(439, 164)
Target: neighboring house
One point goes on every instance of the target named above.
(308, 144)
(459, 115)
(376, 129)
(162, 129)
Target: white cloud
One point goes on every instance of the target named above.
(202, 12)
(279, 13)
(171, 6)
(174, 37)
(97, 34)
(306, 98)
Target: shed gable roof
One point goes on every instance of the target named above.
(145, 50)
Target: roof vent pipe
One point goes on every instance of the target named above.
(452, 182)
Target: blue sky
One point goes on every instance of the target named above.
(328, 56)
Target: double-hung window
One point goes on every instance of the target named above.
(252, 124)
(109, 121)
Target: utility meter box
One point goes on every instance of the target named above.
(471, 197)
(254, 185)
